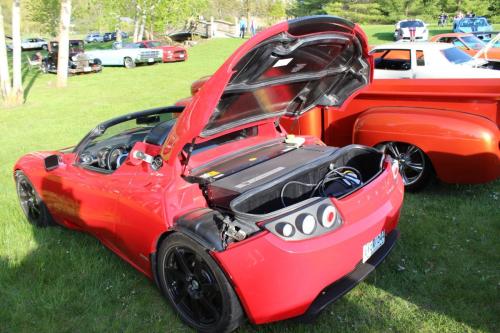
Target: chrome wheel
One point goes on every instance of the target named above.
(29, 200)
(412, 161)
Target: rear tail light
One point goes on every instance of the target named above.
(327, 215)
(306, 223)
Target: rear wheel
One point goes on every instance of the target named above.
(128, 62)
(414, 165)
(32, 205)
(196, 287)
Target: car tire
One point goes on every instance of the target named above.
(196, 286)
(44, 47)
(97, 61)
(128, 62)
(415, 166)
(33, 207)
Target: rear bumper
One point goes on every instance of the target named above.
(341, 287)
(277, 279)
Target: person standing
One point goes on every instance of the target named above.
(243, 26)
(253, 27)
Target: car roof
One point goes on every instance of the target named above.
(410, 20)
(454, 34)
(414, 45)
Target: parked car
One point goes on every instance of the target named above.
(427, 60)
(411, 30)
(109, 36)
(170, 53)
(471, 45)
(33, 44)
(478, 25)
(94, 37)
(128, 57)
(203, 206)
(79, 61)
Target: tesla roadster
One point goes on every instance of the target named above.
(230, 216)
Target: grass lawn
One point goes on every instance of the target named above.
(443, 275)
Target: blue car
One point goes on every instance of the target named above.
(475, 25)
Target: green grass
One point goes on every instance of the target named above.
(443, 275)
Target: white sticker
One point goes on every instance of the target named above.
(282, 62)
(256, 179)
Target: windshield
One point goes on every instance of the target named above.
(456, 56)
(473, 42)
(153, 44)
(411, 24)
(471, 22)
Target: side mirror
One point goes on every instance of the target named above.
(51, 162)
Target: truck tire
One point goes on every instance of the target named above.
(414, 165)
(128, 62)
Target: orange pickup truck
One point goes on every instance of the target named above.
(447, 128)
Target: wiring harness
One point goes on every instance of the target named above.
(349, 175)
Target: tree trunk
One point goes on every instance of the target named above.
(5, 86)
(17, 79)
(63, 52)
(137, 18)
(141, 29)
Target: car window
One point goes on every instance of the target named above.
(399, 60)
(458, 43)
(420, 58)
(412, 24)
(455, 55)
(473, 42)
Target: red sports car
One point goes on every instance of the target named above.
(229, 215)
(170, 53)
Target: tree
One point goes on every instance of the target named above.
(45, 13)
(5, 85)
(17, 81)
(63, 52)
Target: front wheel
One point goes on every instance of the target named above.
(128, 62)
(32, 205)
(196, 287)
(414, 165)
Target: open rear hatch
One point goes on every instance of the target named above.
(285, 70)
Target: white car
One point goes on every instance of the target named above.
(427, 60)
(411, 31)
(33, 43)
(94, 37)
(125, 57)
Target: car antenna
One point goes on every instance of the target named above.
(189, 153)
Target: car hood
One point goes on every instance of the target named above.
(284, 70)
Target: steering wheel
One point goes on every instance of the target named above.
(116, 156)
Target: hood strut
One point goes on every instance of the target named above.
(189, 153)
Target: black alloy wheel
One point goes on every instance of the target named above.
(32, 205)
(414, 165)
(196, 287)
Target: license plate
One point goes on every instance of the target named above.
(151, 60)
(372, 246)
(181, 55)
(87, 69)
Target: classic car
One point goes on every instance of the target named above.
(128, 57)
(411, 30)
(427, 60)
(229, 215)
(94, 37)
(34, 44)
(79, 61)
(478, 25)
(471, 45)
(170, 53)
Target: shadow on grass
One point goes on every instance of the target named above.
(33, 75)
